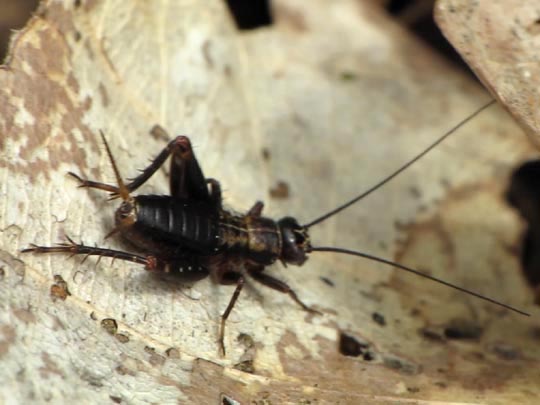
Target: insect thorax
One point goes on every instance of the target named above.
(258, 239)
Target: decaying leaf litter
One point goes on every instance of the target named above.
(200, 77)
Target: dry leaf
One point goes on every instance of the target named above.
(500, 42)
(329, 100)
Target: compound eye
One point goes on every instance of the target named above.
(299, 238)
(294, 241)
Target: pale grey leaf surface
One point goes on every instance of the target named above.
(500, 42)
(329, 100)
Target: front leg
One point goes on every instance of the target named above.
(222, 269)
(257, 272)
(239, 285)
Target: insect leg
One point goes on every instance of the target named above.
(150, 262)
(94, 184)
(178, 143)
(186, 177)
(234, 298)
(257, 273)
(215, 192)
(256, 210)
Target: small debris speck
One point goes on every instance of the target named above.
(505, 351)
(369, 356)
(122, 338)
(149, 350)
(432, 334)
(245, 366)
(378, 318)
(348, 76)
(350, 346)
(327, 281)
(401, 365)
(226, 400)
(59, 290)
(110, 325)
(463, 329)
(159, 133)
(280, 190)
(172, 353)
(245, 340)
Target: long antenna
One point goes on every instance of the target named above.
(122, 189)
(418, 273)
(401, 169)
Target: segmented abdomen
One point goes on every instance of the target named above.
(178, 223)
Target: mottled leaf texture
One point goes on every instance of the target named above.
(500, 40)
(326, 101)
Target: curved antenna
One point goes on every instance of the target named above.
(418, 273)
(123, 191)
(401, 169)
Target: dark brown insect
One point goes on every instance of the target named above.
(190, 234)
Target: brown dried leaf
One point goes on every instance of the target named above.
(500, 42)
(330, 99)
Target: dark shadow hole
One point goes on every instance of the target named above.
(523, 194)
(250, 14)
(397, 6)
(349, 346)
(463, 329)
(13, 16)
(378, 318)
(417, 16)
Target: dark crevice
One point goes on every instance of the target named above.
(250, 14)
(417, 16)
(524, 195)
(395, 7)
(463, 329)
(352, 347)
(13, 16)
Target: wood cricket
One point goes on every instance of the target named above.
(188, 233)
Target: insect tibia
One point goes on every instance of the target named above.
(74, 248)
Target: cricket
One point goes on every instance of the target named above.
(191, 235)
